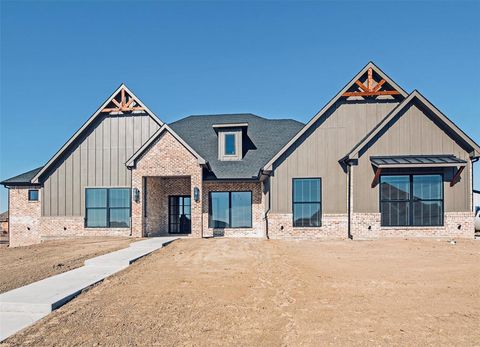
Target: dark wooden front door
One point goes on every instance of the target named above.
(179, 214)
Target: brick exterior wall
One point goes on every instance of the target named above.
(24, 217)
(334, 226)
(258, 208)
(452, 220)
(66, 227)
(29, 227)
(166, 157)
(168, 168)
(157, 193)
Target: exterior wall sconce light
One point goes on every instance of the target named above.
(136, 195)
(196, 194)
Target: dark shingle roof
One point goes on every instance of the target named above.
(267, 137)
(22, 179)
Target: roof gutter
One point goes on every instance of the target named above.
(20, 184)
(264, 174)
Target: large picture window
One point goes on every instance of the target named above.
(411, 200)
(230, 210)
(307, 202)
(107, 207)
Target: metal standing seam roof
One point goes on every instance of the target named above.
(440, 160)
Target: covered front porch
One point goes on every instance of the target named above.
(167, 186)
(167, 205)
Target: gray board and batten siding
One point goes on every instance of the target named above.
(318, 151)
(413, 131)
(95, 159)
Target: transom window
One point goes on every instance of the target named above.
(107, 207)
(230, 210)
(230, 144)
(411, 200)
(307, 202)
(33, 195)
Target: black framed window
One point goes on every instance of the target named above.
(411, 200)
(33, 195)
(107, 207)
(179, 214)
(307, 202)
(230, 210)
(230, 144)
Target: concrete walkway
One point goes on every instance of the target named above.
(23, 306)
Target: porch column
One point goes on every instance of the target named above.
(196, 206)
(137, 222)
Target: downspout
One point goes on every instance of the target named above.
(349, 200)
(266, 215)
(8, 215)
(269, 201)
(268, 210)
(131, 200)
(474, 160)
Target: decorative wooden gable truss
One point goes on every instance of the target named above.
(370, 87)
(123, 102)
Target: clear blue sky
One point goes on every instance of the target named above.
(60, 60)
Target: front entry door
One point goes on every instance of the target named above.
(179, 218)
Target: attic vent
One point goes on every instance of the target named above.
(123, 102)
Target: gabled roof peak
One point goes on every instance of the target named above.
(124, 100)
(128, 102)
(371, 82)
(354, 152)
(131, 162)
(351, 87)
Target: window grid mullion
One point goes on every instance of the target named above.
(302, 202)
(229, 209)
(411, 202)
(108, 208)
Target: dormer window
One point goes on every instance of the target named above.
(230, 144)
(230, 140)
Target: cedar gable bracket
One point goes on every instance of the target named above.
(123, 102)
(372, 87)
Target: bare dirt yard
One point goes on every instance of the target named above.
(212, 292)
(24, 265)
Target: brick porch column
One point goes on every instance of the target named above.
(196, 206)
(137, 207)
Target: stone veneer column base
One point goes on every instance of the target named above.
(334, 226)
(367, 225)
